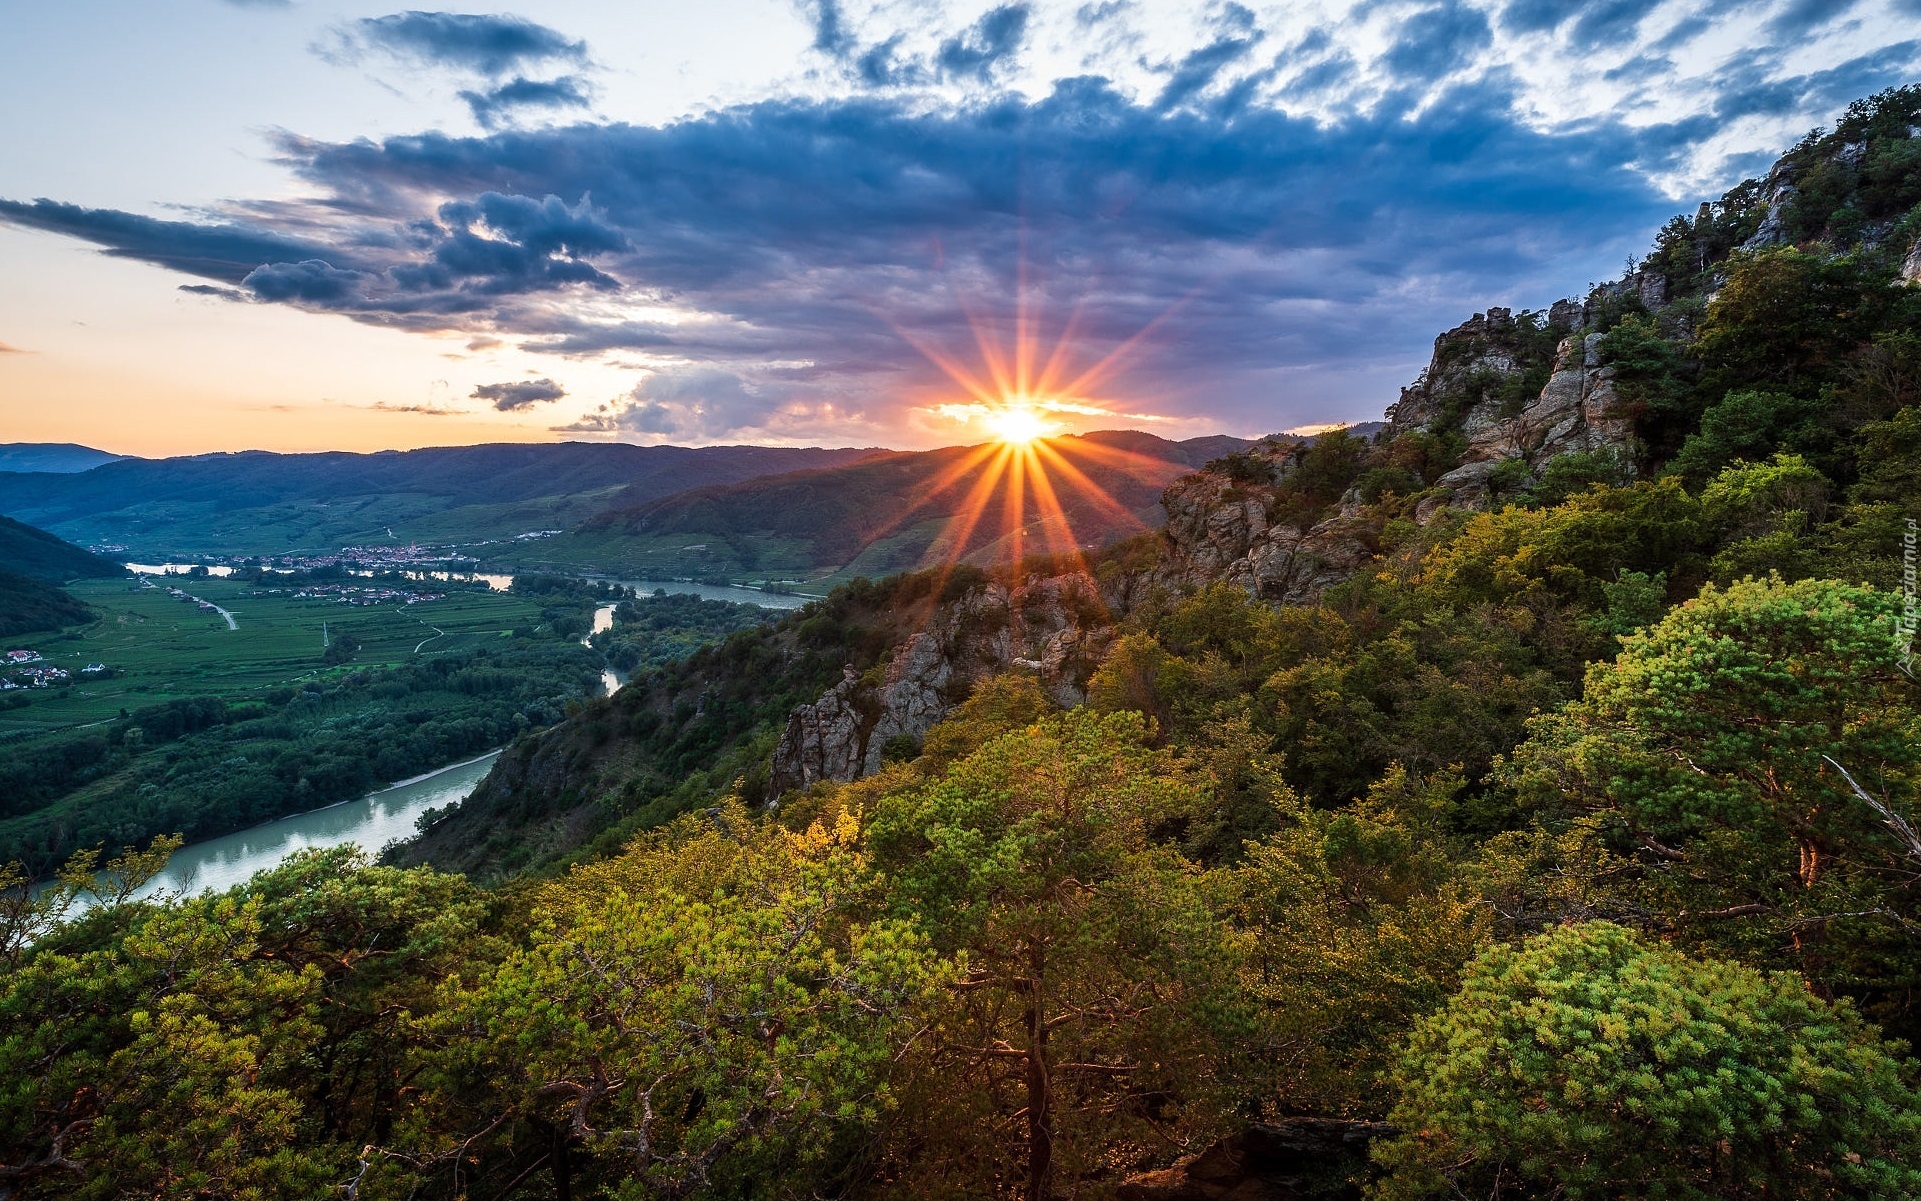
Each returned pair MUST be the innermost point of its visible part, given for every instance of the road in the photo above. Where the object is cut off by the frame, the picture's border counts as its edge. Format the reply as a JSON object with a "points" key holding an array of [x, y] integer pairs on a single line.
{"points": [[231, 623]]}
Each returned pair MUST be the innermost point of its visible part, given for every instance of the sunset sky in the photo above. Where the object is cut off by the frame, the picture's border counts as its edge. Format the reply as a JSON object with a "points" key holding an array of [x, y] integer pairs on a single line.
{"points": [[296, 225]]}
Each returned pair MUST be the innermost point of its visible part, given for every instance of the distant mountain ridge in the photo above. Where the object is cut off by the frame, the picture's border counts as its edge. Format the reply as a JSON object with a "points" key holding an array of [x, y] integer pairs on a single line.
{"points": [[901, 508], [261, 502], [55, 457]]}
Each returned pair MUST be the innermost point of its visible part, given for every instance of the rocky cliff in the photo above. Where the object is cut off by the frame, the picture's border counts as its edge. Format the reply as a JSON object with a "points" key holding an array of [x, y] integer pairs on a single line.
{"points": [[1055, 626]]}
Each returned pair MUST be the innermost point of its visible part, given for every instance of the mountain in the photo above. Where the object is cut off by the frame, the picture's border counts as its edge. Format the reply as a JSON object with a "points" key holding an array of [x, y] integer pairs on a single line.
{"points": [[898, 510], [27, 551], [1742, 403], [260, 502], [52, 457]]}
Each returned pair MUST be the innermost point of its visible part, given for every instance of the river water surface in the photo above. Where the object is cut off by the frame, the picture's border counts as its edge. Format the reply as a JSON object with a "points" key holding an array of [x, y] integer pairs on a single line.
{"points": [[373, 821]]}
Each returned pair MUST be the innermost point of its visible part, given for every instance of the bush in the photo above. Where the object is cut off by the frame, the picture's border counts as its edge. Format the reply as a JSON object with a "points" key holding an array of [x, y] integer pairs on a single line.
{"points": [[1589, 1063]]}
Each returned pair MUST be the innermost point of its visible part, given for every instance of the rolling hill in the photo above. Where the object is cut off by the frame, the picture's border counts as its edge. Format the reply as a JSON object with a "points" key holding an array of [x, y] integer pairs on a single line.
{"points": [[33, 563], [54, 457], [32, 552], [897, 510], [259, 502]]}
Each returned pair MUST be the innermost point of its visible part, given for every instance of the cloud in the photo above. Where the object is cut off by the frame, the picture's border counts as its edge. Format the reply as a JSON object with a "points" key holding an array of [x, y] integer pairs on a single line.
{"points": [[1201, 67], [491, 45], [696, 402], [519, 395], [831, 35], [9, 349], [423, 410], [494, 106], [312, 281], [1258, 238], [987, 45], [1799, 17], [1437, 41], [215, 250]]}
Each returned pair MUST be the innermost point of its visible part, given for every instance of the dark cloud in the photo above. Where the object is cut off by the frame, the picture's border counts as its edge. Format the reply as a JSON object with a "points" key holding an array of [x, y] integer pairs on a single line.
{"points": [[520, 394], [1537, 16], [831, 35], [494, 106], [794, 252], [312, 282], [1436, 41], [987, 44], [222, 251], [1595, 21], [1199, 69], [1609, 21], [1801, 17], [486, 43]]}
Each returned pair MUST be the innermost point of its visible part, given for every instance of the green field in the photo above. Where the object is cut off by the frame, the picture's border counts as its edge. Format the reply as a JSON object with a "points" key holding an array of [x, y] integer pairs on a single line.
{"points": [[162, 648]]}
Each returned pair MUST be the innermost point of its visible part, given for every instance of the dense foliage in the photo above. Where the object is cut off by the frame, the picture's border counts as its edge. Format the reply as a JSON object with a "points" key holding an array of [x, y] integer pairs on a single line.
{"points": [[1574, 836], [203, 766], [651, 631], [1587, 1063], [27, 605]]}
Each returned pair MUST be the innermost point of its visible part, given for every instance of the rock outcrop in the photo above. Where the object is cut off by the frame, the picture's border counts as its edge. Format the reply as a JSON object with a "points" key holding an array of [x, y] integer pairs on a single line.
{"points": [[1054, 626], [1577, 411], [1219, 529], [1481, 348], [1321, 1158]]}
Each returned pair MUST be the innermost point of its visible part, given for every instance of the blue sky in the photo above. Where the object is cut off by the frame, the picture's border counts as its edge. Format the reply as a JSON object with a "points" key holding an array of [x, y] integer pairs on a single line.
{"points": [[350, 225]]}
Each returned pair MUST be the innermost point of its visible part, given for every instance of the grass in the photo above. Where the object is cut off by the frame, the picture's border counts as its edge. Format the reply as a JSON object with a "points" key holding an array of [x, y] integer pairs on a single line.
{"points": [[163, 648]]}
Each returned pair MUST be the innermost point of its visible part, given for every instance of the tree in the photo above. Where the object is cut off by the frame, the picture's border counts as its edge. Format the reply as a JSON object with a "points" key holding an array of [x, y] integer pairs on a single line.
{"points": [[1097, 978], [1357, 923], [709, 1009], [1586, 1062], [1716, 745], [240, 1045]]}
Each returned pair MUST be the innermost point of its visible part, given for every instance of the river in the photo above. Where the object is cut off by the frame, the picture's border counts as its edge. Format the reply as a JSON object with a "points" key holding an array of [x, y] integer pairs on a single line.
{"points": [[381, 817], [373, 821]]}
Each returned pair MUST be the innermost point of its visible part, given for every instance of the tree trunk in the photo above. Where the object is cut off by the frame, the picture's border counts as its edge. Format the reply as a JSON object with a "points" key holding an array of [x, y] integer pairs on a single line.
{"points": [[563, 1165], [1040, 1088]]}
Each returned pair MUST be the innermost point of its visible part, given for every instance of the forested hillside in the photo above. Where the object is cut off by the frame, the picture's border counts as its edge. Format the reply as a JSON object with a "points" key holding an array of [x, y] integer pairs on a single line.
{"points": [[257, 502], [1520, 802], [33, 552], [897, 511], [32, 565]]}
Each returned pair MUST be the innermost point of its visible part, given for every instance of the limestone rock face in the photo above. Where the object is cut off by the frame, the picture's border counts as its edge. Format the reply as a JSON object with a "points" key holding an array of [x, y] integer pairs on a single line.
{"points": [[1578, 410], [1055, 626], [1911, 266], [1218, 530], [1781, 193], [1462, 353]]}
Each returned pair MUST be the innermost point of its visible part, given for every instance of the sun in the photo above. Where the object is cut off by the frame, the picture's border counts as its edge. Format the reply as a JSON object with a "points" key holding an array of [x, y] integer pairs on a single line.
{"points": [[1018, 424]]}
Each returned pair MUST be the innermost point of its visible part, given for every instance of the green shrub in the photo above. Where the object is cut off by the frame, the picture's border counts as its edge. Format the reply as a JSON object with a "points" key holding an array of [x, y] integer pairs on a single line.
{"points": [[1587, 1062]]}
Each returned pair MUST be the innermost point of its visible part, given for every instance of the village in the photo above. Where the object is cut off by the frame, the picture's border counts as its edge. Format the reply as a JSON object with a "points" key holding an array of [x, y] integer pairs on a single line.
{"points": [[30, 669], [354, 594]]}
